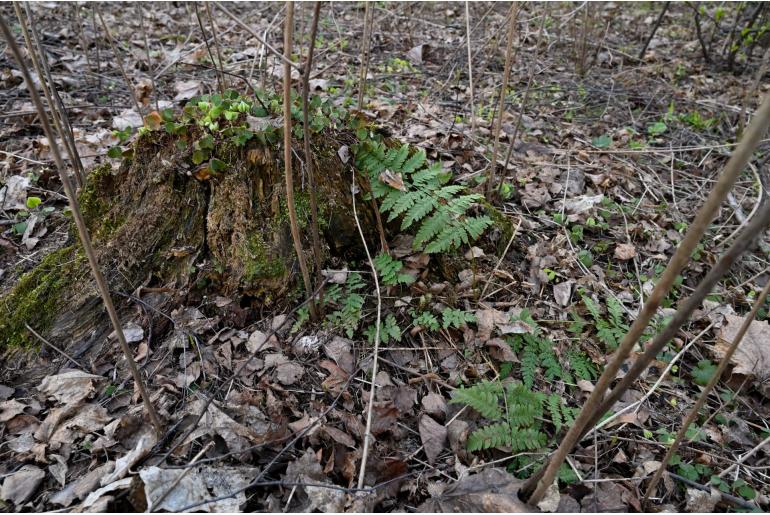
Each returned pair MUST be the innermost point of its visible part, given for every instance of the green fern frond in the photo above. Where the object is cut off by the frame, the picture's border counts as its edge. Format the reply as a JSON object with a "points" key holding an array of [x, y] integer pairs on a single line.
{"points": [[489, 437], [457, 318], [484, 397], [583, 367], [528, 439], [414, 163], [529, 362], [554, 408]]}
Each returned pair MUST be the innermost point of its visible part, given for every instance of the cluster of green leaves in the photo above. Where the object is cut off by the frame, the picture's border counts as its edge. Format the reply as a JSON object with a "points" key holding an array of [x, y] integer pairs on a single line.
{"points": [[457, 318], [516, 424], [439, 211], [389, 270], [610, 329], [122, 136], [349, 302], [389, 330], [33, 206]]}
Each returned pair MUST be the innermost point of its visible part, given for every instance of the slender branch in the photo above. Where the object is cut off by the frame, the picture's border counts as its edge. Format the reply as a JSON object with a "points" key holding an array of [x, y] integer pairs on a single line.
{"points": [[214, 31], [538, 484], [155, 94], [54, 347], [364, 67], [524, 100], [309, 161], [653, 31], [283, 58], [690, 418], [501, 100], [85, 239], [208, 48], [372, 394], [470, 66], [290, 205], [58, 113], [119, 59]]}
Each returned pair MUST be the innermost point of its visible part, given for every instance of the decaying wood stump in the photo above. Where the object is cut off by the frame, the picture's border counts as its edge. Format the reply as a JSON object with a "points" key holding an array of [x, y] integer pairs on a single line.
{"points": [[160, 221]]}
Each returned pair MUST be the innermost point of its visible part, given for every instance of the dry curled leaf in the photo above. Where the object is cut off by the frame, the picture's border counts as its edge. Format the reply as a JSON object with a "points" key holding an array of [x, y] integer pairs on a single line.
{"points": [[433, 436], [752, 357]]}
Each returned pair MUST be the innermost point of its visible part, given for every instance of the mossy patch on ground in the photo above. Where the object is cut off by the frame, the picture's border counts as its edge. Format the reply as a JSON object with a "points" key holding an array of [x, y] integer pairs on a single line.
{"points": [[36, 299]]}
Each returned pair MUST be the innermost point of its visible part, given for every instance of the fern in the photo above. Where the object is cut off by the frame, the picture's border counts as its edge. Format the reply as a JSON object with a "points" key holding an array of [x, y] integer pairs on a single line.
{"points": [[529, 362], [609, 330], [389, 330], [516, 426], [491, 436], [350, 303], [554, 408], [389, 270], [538, 352], [484, 397], [457, 318], [436, 210], [427, 321], [583, 367]]}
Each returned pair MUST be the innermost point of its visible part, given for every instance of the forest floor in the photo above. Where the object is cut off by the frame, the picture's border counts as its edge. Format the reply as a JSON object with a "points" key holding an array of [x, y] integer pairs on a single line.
{"points": [[608, 168]]}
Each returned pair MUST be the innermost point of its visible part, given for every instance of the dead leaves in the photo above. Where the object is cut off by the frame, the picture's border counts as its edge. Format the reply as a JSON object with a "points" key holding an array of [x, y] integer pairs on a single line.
{"points": [[70, 387], [198, 485], [433, 436], [752, 357], [22, 484], [491, 490]]}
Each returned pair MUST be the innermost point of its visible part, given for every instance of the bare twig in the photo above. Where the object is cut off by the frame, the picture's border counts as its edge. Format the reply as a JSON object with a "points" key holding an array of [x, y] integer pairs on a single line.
{"points": [[85, 239], [155, 503], [58, 113], [592, 408], [214, 36], [368, 432], [501, 100], [220, 78], [500, 261], [364, 67], [54, 347], [290, 205], [470, 65], [309, 161], [279, 55], [653, 31], [747, 321], [119, 59], [150, 72]]}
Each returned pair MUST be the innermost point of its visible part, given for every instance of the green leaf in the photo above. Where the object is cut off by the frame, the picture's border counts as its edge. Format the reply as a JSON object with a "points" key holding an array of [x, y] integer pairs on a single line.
{"points": [[20, 227], [657, 128], [199, 156], [703, 371], [115, 152], [602, 141], [217, 166], [33, 202]]}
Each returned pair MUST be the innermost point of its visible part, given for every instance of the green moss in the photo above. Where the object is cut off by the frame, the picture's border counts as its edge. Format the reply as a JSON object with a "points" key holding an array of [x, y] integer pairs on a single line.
{"points": [[94, 204], [258, 263], [36, 298]]}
